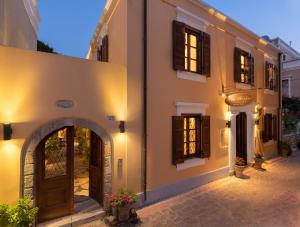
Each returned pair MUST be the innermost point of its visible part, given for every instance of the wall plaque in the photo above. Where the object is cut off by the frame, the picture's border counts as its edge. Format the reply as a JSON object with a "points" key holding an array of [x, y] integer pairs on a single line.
{"points": [[64, 104], [239, 99]]}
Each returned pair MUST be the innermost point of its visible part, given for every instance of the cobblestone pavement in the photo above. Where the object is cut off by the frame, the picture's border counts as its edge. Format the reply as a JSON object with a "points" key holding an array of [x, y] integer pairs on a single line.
{"points": [[269, 198]]}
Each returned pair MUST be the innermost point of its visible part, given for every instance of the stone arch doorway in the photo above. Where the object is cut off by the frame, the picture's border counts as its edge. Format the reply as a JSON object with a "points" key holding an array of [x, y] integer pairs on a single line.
{"points": [[29, 154]]}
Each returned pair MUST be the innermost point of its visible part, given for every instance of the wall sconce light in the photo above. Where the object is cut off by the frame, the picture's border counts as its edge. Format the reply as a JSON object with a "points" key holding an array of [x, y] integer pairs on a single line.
{"points": [[122, 126], [228, 124], [257, 122], [7, 131]]}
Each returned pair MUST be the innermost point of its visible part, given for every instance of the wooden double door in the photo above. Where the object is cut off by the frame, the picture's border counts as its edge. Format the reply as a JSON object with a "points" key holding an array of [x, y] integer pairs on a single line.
{"points": [[55, 173], [241, 136]]}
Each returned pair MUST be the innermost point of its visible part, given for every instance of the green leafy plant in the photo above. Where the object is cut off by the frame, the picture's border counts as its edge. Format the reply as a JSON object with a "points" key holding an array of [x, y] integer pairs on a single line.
{"points": [[240, 161], [285, 146], [21, 215], [122, 199], [4, 216]]}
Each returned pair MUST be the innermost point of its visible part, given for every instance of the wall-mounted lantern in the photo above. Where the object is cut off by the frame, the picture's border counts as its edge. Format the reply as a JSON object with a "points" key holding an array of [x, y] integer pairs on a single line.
{"points": [[122, 126], [7, 131], [228, 124]]}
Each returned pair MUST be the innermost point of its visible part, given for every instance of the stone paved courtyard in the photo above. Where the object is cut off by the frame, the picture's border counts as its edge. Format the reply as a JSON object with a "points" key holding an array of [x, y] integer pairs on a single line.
{"points": [[269, 198]]}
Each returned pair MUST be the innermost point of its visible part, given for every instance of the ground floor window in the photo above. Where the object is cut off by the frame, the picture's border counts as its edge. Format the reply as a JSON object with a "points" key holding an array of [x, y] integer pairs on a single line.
{"points": [[270, 128], [191, 137]]}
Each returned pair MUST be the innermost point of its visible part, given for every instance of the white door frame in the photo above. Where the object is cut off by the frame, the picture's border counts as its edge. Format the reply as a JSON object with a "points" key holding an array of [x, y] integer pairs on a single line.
{"points": [[234, 111]]}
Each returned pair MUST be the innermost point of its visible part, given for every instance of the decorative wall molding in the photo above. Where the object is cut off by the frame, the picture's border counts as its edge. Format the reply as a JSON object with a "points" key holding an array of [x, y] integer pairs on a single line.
{"points": [[191, 19], [191, 107], [244, 45]]}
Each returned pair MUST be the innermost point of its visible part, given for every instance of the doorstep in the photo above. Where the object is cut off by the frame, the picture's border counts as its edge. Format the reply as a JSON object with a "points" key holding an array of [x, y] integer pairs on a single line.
{"points": [[75, 219]]}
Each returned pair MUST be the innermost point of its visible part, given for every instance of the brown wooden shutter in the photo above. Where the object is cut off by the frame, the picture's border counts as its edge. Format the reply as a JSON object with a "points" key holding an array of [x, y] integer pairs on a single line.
{"points": [[198, 134], [178, 45], [105, 49], [99, 54], [206, 54], [200, 53], [237, 64], [276, 78], [251, 70], [267, 83], [265, 132], [275, 128], [205, 137], [178, 139]]}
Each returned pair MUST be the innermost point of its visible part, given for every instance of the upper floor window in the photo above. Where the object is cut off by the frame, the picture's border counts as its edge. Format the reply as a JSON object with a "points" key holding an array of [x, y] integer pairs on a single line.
{"points": [[191, 137], [243, 67], [102, 52], [191, 49], [271, 76]]}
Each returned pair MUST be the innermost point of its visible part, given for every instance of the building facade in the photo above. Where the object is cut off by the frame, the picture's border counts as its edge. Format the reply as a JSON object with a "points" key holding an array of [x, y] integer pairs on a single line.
{"points": [[19, 29], [203, 71], [290, 69], [171, 94]]}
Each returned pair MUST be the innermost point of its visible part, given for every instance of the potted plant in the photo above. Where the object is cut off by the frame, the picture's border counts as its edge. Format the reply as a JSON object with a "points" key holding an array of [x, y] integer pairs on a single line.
{"points": [[121, 204], [259, 160], [239, 167], [285, 149]]}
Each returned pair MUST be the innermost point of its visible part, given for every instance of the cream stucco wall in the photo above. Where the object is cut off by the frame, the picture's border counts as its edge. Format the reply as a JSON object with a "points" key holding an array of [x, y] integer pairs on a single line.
{"points": [[165, 89], [31, 83], [16, 28], [122, 22]]}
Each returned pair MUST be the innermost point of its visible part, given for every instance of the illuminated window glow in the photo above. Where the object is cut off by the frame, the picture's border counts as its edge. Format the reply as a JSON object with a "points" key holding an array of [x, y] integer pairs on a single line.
{"points": [[190, 136], [191, 51]]}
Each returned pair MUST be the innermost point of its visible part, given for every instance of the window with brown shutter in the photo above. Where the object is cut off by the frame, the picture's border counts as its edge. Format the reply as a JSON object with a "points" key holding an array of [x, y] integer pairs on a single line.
{"points": [[105, 49], [178, 140], [243, 67], [268, 133], [206, 54], [191, 137], [178, 45], [205, 137], [271, 76], [191, 49], [275, 128]]}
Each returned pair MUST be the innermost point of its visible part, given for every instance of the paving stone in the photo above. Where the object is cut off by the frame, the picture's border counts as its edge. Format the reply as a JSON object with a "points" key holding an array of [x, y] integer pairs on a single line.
{"points": [[268, 198]]}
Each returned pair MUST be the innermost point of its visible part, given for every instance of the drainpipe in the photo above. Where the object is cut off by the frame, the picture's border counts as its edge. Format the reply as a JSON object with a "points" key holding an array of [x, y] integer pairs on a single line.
{"points": [[279, 123], [145, 48]]}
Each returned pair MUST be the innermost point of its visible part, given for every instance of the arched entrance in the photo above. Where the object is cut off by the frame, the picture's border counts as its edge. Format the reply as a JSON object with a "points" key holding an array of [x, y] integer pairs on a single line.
{"points": [[35, 183]]}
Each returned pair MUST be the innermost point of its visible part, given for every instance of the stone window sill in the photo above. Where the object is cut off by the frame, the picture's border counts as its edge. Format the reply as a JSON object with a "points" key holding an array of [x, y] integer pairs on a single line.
{"points": [[191, 76], [243, 86], [190, 164]]}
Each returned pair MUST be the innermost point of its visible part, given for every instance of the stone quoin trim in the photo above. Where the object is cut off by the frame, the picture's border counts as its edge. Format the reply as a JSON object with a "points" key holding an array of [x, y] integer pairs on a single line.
{"points": [[27, 175]]}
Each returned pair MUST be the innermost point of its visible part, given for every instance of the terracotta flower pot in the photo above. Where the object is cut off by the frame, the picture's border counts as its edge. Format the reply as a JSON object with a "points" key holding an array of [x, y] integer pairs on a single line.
{"points": [[239, 171], [285, 153], [114, 212], [258, 163], [123, 214]]}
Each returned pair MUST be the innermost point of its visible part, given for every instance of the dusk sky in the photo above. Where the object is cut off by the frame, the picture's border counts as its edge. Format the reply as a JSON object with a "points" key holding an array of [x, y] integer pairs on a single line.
{"points": [[68, 25]]}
